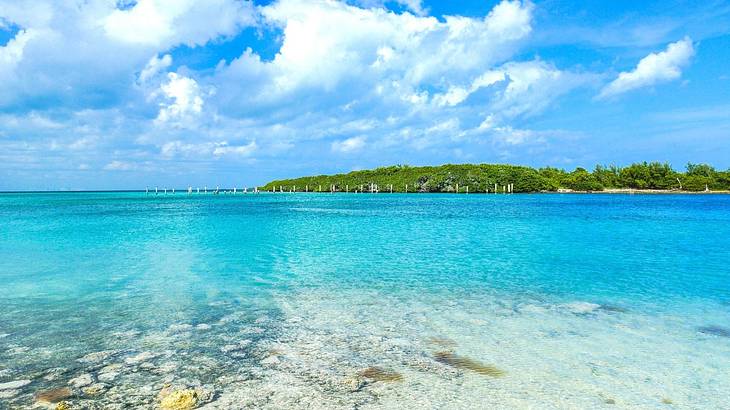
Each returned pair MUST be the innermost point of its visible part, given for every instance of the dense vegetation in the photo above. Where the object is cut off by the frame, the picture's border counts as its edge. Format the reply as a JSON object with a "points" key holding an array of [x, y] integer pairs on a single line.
{"points": [[483, 177]]}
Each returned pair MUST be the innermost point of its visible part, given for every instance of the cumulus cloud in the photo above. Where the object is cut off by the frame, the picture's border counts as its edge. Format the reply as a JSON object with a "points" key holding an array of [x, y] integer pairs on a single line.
{"points": [[653, 69], [349, 145], [358, 76], [183, 99], [155, 66], [167, 22]]}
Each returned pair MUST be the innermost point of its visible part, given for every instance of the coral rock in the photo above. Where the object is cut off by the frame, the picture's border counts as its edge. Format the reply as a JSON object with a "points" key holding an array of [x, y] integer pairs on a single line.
{"points": [[179, 399]]}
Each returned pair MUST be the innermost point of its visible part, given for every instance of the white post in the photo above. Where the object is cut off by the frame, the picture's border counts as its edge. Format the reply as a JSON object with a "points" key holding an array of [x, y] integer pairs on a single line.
{"points": [[467, 189], [320, 188], [495, 188], [406, 188], [391, 188], [347, 188], [457, 188], [155, 190]]}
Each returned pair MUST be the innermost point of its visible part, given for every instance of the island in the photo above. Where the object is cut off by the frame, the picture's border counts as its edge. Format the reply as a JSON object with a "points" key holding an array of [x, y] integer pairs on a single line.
{"points": [[645, 177]]}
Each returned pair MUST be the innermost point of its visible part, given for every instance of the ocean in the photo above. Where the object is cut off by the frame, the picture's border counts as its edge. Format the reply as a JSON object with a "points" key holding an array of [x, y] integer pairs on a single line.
{"points": [[365, 301]]}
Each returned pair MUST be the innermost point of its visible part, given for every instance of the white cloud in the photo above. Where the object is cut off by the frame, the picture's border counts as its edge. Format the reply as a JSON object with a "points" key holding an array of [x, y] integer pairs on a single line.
{"points": [[415, 6], [155, 66], [653, 69], [223, 148], [163, 23], [183, 99], [349, 145], [120, 166]]}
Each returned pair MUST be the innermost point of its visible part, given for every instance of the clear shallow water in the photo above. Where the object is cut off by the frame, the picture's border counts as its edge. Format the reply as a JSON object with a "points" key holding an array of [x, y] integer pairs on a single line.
{"points": [[284, 300]]}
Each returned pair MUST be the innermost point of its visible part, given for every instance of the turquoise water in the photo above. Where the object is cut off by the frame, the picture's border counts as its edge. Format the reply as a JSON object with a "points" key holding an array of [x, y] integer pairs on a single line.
{"points": [[283, 300]]}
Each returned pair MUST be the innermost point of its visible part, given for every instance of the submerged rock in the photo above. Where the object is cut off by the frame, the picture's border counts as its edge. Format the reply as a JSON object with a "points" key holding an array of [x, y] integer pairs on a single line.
{"points": [[64, 405], [81, 381], [460, 362], [582, 308], [107, 376], [14, 384], [180, 327], [97, 356], [380, 375], [8, 394], [94, 389], [54, 374], [140, 358], [53, 396], [270, 361], [178, 399], [354, 384], [714, 330]]}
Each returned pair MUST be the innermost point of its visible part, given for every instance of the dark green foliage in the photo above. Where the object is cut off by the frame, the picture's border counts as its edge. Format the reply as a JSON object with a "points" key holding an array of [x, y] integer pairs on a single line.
{"points": [[483, 177]]}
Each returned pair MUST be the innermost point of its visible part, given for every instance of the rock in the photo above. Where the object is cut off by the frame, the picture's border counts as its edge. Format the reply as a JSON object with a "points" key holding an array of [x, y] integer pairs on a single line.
{"points": [[271, 360], [178, 399], [94, 389], [64, 405], [53, 396], [111, 368], [97, 356], [8, 394], [54, 374], [582, 308], [714, 330], [81, 381], [14, 384], [180, 327], [354, 383], [236, 349], [107, 376], [142, 357]]}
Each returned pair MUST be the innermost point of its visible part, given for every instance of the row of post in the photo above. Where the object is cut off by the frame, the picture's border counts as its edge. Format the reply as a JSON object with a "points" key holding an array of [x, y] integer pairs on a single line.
{"points": [[215, 191], [374, 188]]}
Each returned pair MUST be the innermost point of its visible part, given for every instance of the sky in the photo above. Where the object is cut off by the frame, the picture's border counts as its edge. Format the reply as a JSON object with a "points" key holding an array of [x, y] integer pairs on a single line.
{"points": [[104, 94]]}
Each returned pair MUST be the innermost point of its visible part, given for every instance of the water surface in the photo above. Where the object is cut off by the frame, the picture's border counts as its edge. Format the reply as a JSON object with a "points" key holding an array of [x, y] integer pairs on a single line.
{"points": [[367, 301]]}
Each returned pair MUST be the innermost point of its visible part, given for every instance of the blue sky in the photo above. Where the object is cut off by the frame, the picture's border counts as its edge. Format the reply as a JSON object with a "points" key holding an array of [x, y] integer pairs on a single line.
{"points": [[98, 94]]}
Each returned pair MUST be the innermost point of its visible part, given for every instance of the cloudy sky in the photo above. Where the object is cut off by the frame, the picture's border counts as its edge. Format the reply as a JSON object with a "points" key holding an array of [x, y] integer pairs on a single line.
{"points": [[124, 94]]}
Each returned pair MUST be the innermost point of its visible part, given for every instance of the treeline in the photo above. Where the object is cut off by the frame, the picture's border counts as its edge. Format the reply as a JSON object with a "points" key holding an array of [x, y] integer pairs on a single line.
{"points": [[484, 178]]}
